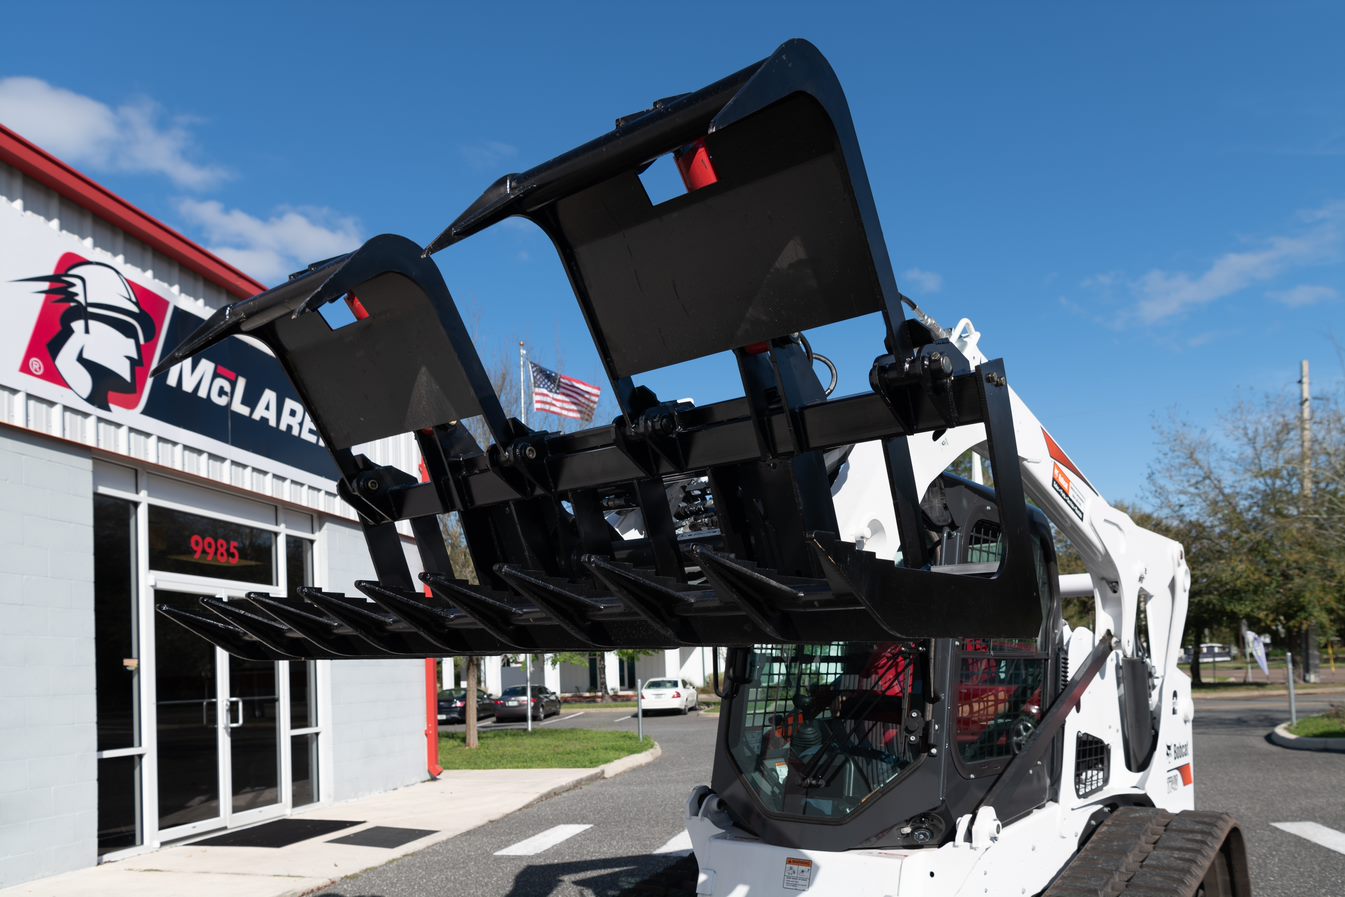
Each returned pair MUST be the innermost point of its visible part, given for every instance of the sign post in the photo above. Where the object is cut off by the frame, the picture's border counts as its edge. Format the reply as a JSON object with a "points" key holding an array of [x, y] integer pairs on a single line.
{"points": [[1293, 702], [639, 709]]}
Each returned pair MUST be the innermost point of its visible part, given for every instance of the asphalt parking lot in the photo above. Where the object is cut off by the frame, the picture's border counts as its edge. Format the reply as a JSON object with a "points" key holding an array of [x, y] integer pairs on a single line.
{"points": [[616, 828], [605, 837], [1240, 772]]}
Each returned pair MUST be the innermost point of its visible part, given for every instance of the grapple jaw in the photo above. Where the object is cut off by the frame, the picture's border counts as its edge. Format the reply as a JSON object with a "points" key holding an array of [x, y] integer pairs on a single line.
{"points": [[738, 541], [780, 234]]}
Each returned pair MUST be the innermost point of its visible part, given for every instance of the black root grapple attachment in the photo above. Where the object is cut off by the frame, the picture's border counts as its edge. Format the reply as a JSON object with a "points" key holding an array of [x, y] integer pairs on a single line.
{"points": [[777, 233]]}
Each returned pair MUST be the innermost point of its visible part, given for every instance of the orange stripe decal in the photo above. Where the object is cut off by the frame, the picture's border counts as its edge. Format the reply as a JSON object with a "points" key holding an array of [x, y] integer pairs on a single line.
{"points": [[1058, 455]]}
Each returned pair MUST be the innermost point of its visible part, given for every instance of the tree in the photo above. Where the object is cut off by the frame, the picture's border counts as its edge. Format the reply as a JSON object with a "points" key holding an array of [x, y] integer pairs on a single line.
{"points": [[1260, 545], [504, 377]]}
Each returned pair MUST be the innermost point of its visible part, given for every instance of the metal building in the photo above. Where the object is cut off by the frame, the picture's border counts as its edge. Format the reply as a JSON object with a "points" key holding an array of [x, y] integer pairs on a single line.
{"points": [[118, 730]]}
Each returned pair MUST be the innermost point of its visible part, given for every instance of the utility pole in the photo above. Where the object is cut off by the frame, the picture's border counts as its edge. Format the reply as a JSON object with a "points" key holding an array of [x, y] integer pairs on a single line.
{"points": [[1305, 430], [1310, 655]]}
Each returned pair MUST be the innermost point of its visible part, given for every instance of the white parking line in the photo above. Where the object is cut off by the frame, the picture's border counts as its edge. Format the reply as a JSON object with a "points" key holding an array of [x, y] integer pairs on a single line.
{"points": [[1316, 833], [678, 844], [560, 718], [541, 841], [620, 718]]}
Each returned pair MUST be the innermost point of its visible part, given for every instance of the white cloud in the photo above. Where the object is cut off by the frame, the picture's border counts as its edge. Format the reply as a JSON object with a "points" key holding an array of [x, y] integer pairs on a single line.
{"points": [[924, 281], [134, 137], [1304, 294], [1163, 294], [488, 155], [271, 248]]}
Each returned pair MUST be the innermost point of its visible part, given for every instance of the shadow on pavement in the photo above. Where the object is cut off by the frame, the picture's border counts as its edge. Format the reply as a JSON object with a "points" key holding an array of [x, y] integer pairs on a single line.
{"points": [[639, 875]]}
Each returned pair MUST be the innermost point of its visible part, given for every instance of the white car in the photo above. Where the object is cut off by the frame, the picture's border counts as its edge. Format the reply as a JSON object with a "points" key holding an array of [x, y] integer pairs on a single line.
{"points": [[669, 694]]}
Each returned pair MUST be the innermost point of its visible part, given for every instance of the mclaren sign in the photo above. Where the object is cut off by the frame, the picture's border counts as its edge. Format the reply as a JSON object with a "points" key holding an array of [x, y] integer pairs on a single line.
{"points": [[84, 329]]}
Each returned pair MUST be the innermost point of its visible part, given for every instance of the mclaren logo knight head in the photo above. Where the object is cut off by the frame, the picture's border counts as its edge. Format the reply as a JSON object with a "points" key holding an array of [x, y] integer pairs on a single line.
{"points": [[96, 333]]}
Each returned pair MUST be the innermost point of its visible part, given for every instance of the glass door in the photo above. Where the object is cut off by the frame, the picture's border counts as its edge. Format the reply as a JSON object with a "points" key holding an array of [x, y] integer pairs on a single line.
{"points": [[253, 734], [189, 716], [218, 731]]}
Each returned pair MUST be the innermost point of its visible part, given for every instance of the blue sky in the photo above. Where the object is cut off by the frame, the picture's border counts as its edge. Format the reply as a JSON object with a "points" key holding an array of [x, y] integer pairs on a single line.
{"points": [[1141, 206]]}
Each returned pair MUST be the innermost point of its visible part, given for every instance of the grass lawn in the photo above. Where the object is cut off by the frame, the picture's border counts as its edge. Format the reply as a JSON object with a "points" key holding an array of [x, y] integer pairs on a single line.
{"points": [[542, 748], [1326, 726]]}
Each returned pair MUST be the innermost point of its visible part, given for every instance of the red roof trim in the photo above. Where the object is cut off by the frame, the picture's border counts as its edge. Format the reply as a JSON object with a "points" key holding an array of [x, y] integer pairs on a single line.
{"points": [[36, 163]]}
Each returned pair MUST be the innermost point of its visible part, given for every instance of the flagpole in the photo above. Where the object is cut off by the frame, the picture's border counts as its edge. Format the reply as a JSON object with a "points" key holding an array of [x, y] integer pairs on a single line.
{"points": [[523, 416]]}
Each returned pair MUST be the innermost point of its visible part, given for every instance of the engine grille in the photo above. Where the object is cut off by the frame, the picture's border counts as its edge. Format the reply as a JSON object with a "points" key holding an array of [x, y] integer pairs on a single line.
{"points": [[1092, 764]]}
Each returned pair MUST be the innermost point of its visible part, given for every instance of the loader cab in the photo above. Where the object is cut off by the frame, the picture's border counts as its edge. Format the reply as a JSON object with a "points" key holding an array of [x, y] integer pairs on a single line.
{"points": [[853, 744]]}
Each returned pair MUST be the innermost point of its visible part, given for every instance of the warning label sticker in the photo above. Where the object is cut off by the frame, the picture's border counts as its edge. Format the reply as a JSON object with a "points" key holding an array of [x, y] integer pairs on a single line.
{"points": [[798, 873], [1060, 482]]}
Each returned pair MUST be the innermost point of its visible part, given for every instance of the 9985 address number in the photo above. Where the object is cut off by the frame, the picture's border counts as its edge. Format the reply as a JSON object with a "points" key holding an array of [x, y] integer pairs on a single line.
{"points": [[215, 551]]}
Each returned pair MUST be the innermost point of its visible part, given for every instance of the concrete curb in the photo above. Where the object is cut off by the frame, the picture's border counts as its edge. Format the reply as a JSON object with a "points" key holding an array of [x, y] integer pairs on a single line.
{"points": [[606, 771], [1284, 738], [632, 761], [1242, 694]]}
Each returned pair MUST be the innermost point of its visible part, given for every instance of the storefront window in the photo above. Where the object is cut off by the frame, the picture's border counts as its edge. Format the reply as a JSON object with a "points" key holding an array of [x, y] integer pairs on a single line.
{"points": [[180, 542], [303, 696], [304, 769], [303, 723], [298, 564], [116, 641], [118, 803], [117, 670]]}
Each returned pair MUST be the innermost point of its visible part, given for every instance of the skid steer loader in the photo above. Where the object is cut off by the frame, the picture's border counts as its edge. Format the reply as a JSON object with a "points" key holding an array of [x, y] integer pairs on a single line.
{"points": [[905, 710]]}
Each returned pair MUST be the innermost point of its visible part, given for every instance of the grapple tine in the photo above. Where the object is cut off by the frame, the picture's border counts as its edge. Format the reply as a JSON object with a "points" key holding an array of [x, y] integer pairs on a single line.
{"points": [[222, 635], [276, 636], [913, 603], [574, 611], [656, 599], [492, 613], [430, 616], [315, 626], [371, 624], [763, 600]]}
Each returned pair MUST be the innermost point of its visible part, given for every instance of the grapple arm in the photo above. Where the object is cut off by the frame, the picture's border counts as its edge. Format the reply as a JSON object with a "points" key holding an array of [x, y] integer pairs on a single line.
{"points": [[781, 237]]}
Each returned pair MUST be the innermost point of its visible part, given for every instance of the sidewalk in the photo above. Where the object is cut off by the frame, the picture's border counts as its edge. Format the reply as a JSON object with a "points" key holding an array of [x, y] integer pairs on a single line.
{"points": [[457, 802]]}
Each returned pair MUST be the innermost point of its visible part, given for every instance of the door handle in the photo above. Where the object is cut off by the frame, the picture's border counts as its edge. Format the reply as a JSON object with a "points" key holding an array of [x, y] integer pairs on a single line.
{"points": [[232, 724], [205, 711]]}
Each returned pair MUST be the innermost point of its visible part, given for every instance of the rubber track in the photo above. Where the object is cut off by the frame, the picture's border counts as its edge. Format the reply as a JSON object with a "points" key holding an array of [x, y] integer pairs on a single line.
{"points": [[1143, 852]]}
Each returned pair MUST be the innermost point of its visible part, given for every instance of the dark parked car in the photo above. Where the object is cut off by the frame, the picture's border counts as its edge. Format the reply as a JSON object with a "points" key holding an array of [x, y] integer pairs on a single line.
{"points": [[513, 703], [452, 703]]}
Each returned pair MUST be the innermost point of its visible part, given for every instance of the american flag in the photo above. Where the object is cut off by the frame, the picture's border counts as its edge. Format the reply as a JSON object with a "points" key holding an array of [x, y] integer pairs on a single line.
{"points": [[558, 394]]}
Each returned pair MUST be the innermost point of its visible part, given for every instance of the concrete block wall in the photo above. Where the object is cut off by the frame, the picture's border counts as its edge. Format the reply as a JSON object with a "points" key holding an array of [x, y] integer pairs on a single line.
{"points": [[48, 735], [377, 724]]}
